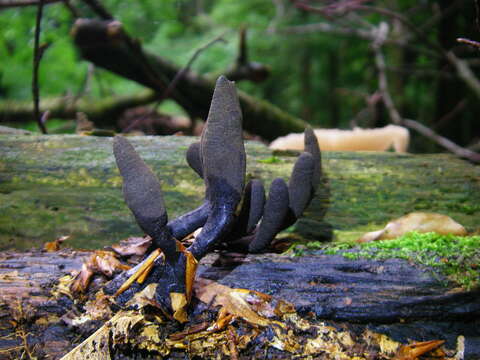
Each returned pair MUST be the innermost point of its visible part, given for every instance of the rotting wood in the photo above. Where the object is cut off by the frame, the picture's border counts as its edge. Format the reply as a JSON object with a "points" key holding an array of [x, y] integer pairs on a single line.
{"points": [[393, 296]]}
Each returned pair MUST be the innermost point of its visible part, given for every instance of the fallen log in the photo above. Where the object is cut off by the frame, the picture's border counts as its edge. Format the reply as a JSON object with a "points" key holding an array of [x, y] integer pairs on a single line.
{"points": [[53, 186], [105, 111], [57, 185], [107, 44]]}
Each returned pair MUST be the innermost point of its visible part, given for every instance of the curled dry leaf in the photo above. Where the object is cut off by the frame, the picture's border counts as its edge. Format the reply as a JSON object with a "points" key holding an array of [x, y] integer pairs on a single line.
{"points": [[416, 221], [415, 350], [54, 245], [242, 303], [103, 262], [99, 308], [179, 305], [133, 246]]}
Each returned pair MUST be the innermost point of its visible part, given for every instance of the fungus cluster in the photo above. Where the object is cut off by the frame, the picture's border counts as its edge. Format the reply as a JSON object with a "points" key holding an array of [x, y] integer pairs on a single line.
{"points": [[233, 215]]}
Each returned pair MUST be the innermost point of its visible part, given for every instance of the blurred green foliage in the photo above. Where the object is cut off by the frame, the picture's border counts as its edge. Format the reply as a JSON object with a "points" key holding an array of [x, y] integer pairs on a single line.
{"points": [[324, 78]]}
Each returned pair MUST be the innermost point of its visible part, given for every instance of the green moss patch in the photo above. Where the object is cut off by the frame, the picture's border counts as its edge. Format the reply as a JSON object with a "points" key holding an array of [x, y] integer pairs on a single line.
{"points": [[456, 257], [270, 160]]}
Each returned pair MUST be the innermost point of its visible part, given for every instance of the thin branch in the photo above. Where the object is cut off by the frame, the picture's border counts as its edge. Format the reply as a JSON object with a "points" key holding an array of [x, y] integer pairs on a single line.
{"points": [[99, 9], [365, 34], [442, 141], [463, 70], [452, 114], [382, 11], [71, 8], [335, 8], [412, 124], [473, 43], [383, 84], [440, 15], [187, 67], [37, 55], [24, 3], [465, 73], [178, 76], [279, 15], [85, 86]]}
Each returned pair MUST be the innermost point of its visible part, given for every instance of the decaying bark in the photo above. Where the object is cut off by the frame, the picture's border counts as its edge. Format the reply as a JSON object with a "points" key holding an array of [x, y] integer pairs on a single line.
{"points": [[393, 296], [106, 44]]}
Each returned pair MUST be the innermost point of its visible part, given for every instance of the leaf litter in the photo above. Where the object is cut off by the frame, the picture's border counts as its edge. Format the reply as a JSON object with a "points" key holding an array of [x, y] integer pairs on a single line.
{"points": [[223, 323]]}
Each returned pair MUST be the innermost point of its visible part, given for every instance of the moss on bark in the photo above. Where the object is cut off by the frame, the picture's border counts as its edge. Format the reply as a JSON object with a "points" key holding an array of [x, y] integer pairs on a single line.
{"points": [[69, 185]]}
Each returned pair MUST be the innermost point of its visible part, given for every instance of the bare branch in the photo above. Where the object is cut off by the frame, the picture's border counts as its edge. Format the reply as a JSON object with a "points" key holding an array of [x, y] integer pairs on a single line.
{"points": [[187, 67], [99, 9], [442, 141], [71, 8], [178, 76], [396, 118], [382, 81], [465, 73], [24, 3], [37, 55], [445, 119], [473, 43]]}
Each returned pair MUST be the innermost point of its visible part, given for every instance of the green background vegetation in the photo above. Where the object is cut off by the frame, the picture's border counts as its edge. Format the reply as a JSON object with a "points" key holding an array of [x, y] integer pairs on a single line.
{"points": [[320, 77]]}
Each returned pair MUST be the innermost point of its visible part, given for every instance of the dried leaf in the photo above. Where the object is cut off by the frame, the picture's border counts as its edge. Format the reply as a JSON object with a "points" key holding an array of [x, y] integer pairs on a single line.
{"points": [[190, 270], [82, 280], [416, 221], [103, 262], [179, 304], [98, 345], [133, 246], [144, 297], [99, 308], [54, 245], [413, 351], [237, 302]]}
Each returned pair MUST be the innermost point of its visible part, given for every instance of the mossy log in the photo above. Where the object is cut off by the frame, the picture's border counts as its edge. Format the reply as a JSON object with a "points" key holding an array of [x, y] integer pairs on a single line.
{"points": [[104, 111], [107, 44], [51, 186], [69, 185]]}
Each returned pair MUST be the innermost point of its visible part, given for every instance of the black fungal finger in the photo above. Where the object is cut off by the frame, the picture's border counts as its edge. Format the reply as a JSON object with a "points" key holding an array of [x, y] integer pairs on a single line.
{"points": [[252, 209], [143, 195], [189, 222], [311, 146], [223, 159], [194, 158], [257, 202], [300, 184], [276, 208], [222, 149]]}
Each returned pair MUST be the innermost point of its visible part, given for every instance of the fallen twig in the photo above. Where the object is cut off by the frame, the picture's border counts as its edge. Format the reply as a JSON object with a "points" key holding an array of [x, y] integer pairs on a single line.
{"points": [[23, 3], [396, 118], [37, 55], [99, 9], [171, 86]]}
